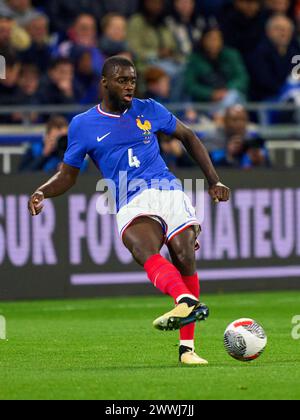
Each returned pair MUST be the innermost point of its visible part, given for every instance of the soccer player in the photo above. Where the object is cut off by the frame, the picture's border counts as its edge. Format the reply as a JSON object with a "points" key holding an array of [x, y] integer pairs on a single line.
{"points": [[120, 137]]}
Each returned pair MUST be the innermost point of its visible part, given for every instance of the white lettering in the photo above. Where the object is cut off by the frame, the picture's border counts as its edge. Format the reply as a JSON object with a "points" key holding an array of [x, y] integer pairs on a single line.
{"points": [[262, 225], [77, 227], [225, 234], [244, 203]]}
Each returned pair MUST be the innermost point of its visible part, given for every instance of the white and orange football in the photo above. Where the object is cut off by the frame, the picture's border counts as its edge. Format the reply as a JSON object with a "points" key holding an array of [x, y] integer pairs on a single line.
{"points": [[245, 340]]}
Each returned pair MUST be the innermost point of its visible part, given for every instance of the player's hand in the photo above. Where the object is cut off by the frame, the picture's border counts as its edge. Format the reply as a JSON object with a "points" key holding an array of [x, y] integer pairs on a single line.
{"points": [[219, 192], [36, 203]]}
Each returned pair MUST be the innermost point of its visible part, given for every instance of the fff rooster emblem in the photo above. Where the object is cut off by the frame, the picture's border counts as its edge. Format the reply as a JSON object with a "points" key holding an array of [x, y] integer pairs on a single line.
{"points": [[145, 126]]}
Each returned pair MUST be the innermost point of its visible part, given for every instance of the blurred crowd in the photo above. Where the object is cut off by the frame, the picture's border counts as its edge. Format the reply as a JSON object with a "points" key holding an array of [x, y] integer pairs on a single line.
{"points": [[219, 52]]}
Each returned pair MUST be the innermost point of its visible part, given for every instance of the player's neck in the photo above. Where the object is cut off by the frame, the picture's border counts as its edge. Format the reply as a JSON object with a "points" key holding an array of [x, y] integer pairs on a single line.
{"points": [[108, 107]]}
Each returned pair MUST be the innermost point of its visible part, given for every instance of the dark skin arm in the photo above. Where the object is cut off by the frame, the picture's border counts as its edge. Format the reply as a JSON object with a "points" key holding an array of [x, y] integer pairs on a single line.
{"points": [[61, 182], [198, 152]]}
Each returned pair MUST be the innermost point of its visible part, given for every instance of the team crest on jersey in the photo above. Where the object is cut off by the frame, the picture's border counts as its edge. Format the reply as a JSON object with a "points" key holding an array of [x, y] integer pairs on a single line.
{"points": [[145, 126]]}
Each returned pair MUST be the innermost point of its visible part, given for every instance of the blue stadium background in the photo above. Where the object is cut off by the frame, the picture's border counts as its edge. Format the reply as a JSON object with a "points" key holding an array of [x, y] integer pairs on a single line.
{"points": [[229, 69]]}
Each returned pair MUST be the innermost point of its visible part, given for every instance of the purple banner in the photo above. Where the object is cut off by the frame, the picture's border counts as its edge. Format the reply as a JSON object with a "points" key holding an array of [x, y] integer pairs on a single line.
{"points": [[255, 235]]}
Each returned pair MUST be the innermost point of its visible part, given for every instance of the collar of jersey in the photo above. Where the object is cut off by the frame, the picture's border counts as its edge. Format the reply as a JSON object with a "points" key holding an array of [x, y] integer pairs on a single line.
{"points": [[107, 114]]}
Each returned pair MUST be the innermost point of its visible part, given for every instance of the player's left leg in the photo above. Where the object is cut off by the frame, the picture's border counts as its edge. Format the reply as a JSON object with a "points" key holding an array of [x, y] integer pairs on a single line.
{"points": [[144, 238], [182, 251]]}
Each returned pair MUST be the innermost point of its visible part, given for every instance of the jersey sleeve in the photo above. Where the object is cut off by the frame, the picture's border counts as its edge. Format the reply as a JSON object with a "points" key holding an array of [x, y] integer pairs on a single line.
{"points": [[76, 150], [166, 120]]}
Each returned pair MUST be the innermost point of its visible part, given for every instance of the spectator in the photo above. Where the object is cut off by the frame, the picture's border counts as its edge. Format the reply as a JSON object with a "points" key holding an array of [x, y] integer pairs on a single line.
{"points": [[216, 73], [280, 7], [256, 156], [83, 32], [271, 63], [21, 10], [48, 155], [185, 25], [151, 40], [232, 155], [236, 124], [191, 117], [59, 87], [62, 13], [296, 10], [87, 77], [296, 15], [4, 9], [158, 84], [114, 35], [238, 154], [243, 24], [174, 154], [9, 85], [6, 27], [28, 92], [235, 144], [39, 53], [83, 36], [11, 35]]}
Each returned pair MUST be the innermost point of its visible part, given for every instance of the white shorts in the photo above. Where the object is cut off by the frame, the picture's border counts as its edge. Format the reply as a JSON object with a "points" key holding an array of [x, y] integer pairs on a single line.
{"points": [[172, 209]]}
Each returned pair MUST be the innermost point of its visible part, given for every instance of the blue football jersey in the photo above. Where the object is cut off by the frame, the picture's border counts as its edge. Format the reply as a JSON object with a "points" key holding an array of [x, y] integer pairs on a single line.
{"points": [[124, 147]]}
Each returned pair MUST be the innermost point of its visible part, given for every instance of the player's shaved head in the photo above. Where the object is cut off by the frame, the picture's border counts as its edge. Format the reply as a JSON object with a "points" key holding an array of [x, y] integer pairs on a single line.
{"points": [[113, 64]]}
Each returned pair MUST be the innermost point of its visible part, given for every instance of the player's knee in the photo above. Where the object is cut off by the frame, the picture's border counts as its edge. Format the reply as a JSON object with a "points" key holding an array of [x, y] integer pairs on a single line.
{"points": [[142, 254], [186, 261]]}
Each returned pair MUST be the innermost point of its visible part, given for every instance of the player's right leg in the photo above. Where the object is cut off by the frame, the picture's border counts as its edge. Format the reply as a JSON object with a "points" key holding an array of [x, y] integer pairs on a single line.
{"points": [[144, 238], [182, 251]]}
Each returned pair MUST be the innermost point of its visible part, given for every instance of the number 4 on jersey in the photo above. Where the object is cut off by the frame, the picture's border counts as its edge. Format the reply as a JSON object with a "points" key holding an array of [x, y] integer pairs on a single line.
{"points": [[133, 160]]}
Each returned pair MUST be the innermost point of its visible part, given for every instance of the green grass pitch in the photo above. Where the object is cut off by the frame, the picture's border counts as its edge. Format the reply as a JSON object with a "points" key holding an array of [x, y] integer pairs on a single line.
{"points": [[107, 349]]}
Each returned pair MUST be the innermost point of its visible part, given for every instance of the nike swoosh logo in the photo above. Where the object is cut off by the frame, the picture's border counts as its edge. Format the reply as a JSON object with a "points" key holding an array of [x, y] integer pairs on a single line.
{"points": [[99, 139]]}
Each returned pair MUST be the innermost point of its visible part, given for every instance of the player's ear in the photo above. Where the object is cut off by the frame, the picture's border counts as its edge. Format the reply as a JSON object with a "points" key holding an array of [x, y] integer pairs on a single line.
{"points": [[104, 82]]}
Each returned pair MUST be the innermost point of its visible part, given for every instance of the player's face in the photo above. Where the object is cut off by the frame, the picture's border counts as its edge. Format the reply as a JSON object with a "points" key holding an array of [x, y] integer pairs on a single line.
{"points": [[121, 86]]}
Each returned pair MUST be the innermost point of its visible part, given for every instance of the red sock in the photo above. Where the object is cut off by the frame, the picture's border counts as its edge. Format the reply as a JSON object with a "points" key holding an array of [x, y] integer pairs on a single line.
{"points": [[166, 277], [192, 283]]}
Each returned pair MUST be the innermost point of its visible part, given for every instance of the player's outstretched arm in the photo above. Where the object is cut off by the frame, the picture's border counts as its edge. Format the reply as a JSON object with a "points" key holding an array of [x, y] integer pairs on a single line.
{"points": [[198, 152], [60, 183]]}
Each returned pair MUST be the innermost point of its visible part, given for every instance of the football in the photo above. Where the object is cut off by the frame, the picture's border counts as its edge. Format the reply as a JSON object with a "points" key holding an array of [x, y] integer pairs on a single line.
{"points": [[245, 340]]}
